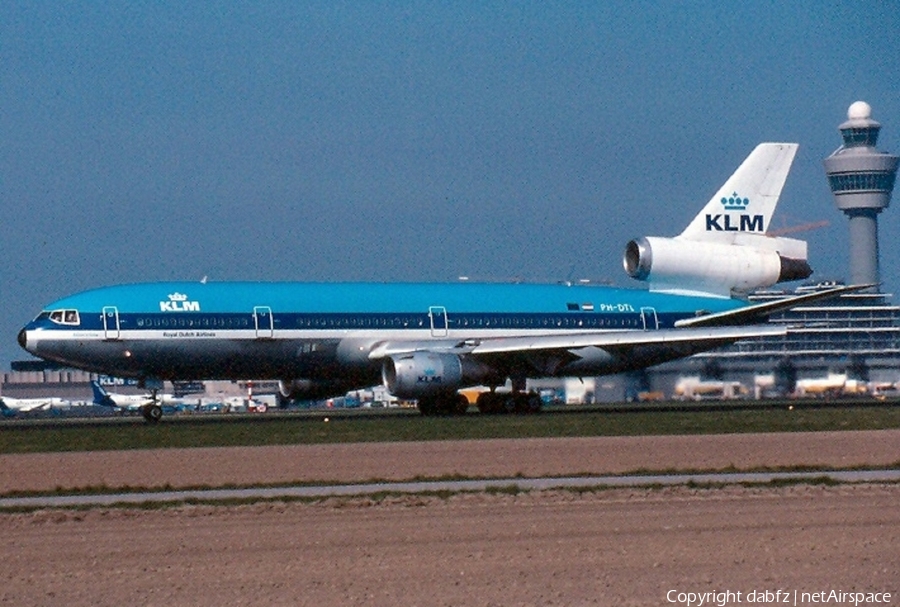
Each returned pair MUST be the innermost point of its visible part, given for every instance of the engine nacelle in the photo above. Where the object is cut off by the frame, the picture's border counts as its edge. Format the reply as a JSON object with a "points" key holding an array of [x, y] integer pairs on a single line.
{"points": [[424, 374], [671, 264]]}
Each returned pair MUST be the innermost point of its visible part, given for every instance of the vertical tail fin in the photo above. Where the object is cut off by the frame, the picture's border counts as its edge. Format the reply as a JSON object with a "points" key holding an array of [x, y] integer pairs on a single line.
{"points": [[725, 248], [745, 203], [101, 397]]}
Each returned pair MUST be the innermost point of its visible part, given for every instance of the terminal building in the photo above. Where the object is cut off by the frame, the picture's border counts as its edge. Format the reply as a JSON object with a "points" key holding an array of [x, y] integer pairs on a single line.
{"points": [[856, 334]]}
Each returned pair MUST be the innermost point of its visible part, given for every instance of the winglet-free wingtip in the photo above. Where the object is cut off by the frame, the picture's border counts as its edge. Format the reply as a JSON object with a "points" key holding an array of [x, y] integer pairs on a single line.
{"points": [[855, 288]]}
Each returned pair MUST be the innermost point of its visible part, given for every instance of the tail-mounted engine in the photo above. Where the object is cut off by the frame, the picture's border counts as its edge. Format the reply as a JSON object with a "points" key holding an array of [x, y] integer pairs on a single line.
{"points": [[725, 247], [672, 264]]}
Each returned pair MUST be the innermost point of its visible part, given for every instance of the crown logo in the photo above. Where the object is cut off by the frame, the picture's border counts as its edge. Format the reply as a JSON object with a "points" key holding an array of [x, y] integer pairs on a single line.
{"points": [[735, 202], [177, 297]]}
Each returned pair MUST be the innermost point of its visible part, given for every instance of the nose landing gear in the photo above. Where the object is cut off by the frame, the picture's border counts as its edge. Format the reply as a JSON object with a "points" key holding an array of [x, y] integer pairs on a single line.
{"points": [[152, 412]]}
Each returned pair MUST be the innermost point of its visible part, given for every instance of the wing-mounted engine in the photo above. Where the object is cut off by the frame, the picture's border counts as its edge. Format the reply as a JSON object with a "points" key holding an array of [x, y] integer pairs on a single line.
{"points": [[426, 374], [680, 265]]}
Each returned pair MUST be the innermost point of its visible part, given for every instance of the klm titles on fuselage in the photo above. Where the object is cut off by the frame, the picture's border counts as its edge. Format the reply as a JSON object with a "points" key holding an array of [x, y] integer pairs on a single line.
{"points": [[726, 222], [178, 302]]}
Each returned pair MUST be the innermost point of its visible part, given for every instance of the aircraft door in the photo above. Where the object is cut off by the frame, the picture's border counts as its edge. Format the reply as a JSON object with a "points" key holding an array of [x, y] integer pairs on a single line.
{"points": [[263, 323], [649, 319], [438, 317], [110, 322]]}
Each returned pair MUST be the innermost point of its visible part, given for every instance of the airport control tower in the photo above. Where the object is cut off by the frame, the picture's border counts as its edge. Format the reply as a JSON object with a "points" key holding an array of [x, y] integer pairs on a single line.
{"points": [[861, 179]]}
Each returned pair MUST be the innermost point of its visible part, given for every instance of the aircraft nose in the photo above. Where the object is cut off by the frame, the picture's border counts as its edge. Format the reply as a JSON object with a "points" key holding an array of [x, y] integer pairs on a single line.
{"points": [[23, 340]]}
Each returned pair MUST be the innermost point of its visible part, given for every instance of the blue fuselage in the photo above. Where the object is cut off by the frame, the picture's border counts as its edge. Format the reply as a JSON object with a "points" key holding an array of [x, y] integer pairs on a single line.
{"points": [[322, 331]]}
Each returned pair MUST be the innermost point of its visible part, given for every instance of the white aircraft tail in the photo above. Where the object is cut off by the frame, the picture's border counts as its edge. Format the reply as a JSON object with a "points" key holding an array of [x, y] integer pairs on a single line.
{"points": [[725, 248], [745, 203], [101, 396]]}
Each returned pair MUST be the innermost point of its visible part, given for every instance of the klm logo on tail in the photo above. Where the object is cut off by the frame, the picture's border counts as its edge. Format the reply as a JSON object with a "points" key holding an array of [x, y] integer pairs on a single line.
{"points": [[726, 222]]}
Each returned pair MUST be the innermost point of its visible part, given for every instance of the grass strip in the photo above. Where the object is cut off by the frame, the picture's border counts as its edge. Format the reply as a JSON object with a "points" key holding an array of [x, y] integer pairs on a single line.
{"points": [[313, 429]]}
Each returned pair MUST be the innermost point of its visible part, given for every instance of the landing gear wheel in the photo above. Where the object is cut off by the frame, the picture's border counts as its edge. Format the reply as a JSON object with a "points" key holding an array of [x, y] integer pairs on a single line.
{"points": [[533, 403], [151, 413], [518, 403], [461, 406], [449, 404], [489, 403], [512, 404]]}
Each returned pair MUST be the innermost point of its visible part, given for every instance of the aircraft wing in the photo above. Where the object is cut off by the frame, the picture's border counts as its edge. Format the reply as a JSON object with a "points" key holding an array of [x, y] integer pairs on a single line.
{"points": [[699, 333], [612, 340], [625, 339], [759, 312], [555, 354]]}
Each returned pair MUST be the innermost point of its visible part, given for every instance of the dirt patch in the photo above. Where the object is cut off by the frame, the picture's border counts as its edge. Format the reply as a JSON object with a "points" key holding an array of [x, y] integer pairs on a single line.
{"points": [[360, 462], [617, 547], [612, 547]]}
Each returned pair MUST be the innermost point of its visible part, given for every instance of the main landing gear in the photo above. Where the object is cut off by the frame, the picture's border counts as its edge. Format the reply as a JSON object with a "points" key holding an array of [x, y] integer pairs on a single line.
{"points": [[492, 403], [152, 412], [445, 404], [509, 402]]}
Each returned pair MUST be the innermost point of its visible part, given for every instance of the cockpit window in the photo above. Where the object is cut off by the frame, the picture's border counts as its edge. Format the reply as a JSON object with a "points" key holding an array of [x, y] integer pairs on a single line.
{"points": [[65, 317]]}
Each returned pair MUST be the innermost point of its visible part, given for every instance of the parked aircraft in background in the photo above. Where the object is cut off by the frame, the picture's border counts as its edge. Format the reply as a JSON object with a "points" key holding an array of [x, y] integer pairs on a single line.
{"points": [[425, 341], [10, 406], [130, 402]]}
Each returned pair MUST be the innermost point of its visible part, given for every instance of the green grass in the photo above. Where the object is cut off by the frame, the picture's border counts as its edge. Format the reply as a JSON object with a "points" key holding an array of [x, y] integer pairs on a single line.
{"points": [[312, 429]]}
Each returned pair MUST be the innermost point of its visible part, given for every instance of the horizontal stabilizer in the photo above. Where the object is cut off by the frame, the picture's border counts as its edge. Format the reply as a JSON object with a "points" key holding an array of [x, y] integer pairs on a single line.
{"points": [[759, 312]]}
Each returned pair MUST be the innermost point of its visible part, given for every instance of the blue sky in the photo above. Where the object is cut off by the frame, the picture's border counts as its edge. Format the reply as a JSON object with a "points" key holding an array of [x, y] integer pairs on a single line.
{"points": [[409, 141]]}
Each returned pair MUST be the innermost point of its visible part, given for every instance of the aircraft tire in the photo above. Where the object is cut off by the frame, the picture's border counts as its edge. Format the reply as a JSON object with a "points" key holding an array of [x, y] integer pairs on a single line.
{"points": [[512, 404], [460, 406], [489, 403], [151, 413], [519, 403], [533, 403]]}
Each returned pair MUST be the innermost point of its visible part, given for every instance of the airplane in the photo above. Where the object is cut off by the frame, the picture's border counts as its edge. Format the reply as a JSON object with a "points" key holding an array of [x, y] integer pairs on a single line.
{"points": [[425, 341], [11, 406], [130, 402]]}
